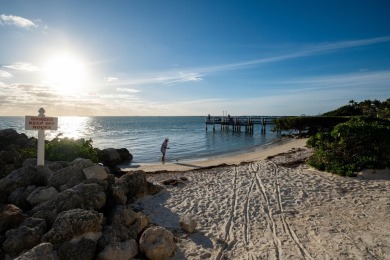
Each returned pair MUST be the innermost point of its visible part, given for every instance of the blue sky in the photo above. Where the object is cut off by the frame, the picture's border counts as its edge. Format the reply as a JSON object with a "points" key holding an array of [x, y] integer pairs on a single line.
{"points": [[89, 58]]}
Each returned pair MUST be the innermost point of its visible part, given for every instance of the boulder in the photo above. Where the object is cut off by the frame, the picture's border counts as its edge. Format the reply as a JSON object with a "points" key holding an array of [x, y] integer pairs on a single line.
{"points": [[41, 251], [86, 196], [111, 157], [10, 217], [19, 197], [157, 243], [41, 194], [66, 178], [23, 177], [123, 215], [122, 228], [72, 223], [25, 237], [187, 224], [96, 172], [122, 250], [130, 186], [125, 155]]}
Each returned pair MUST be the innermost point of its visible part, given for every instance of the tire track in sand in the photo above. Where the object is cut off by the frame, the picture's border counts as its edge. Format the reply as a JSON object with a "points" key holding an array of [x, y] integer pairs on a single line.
{"points": [[271, 223], [287, 226], [228, 226]]}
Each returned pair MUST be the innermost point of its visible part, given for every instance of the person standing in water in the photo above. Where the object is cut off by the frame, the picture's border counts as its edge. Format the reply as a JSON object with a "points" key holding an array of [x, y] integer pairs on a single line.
{"points": [[164, 148]]}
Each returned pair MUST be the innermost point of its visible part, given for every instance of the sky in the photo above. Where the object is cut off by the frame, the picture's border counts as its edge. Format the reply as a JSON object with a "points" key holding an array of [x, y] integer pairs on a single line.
{"points": [[193, 57]]}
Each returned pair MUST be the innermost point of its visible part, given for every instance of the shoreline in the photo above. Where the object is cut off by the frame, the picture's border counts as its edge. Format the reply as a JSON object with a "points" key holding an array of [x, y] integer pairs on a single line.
{"points": [[250, 155], [268, 205]]}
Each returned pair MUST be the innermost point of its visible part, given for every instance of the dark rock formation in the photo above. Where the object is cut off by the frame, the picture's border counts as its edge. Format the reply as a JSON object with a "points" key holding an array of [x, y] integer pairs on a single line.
{"points": [[78, 209], [68, 210]]}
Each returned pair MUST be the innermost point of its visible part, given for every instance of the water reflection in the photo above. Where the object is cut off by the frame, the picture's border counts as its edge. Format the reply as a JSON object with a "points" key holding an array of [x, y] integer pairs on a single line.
{"points": [[72, 127]]}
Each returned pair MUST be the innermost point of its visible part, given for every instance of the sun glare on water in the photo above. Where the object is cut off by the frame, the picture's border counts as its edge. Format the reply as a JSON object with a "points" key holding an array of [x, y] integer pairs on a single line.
{"points": [[65, 73]]}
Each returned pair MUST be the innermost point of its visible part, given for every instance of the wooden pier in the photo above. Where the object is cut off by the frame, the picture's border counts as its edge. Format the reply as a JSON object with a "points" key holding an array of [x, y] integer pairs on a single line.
{"points": [[236, 123]]}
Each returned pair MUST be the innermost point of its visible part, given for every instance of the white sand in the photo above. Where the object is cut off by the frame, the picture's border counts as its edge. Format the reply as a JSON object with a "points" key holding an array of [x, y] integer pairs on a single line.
{"points": [[262, 210]]}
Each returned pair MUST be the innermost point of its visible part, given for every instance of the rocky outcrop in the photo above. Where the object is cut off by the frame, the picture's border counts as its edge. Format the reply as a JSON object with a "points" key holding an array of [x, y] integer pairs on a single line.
{"points": [[73, 210]]}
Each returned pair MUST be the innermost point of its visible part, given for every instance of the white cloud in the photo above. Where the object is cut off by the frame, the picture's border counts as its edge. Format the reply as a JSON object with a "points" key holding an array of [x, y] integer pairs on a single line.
{"points": [[131, 90], [305, 51], [5, 74], [185, 77], [17, 21], [197, 74], [22, 66], [111, 79]]}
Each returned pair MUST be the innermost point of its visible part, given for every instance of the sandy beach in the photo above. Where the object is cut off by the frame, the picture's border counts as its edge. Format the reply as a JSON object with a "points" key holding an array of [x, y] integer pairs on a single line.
{"points": [[266, 204]]}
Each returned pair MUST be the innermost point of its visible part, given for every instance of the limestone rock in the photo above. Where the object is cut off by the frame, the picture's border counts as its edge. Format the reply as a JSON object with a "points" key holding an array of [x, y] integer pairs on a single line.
{"points": [[132, 185], [25, 237], [67, 177], [86, 196], [42, 251], [10, 217], [95, 172], [157, 243], [121, 214], [122, 250], [122, 228], [74, 222], [23, 177], [41, 194], [187, 224], [19, 197]]}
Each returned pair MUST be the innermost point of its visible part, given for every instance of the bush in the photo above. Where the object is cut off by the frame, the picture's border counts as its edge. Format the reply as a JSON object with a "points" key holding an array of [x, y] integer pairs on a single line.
{"points": [[68, 149], [351, 146]]}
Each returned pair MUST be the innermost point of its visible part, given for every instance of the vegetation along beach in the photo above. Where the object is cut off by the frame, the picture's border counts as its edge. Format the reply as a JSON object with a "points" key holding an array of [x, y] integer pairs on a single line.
{"points": [[187, 130]]}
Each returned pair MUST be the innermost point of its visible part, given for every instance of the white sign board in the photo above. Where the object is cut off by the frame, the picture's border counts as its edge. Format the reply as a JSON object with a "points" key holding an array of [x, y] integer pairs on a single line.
{"points": [[41, 123]]}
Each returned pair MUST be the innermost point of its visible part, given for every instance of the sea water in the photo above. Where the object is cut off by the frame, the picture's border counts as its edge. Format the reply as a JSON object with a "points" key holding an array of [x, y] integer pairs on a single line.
{"points": [[143, 136]]}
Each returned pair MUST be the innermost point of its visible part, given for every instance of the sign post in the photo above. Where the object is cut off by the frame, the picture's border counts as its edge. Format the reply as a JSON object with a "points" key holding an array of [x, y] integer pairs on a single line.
{"points": [[41, 123]]}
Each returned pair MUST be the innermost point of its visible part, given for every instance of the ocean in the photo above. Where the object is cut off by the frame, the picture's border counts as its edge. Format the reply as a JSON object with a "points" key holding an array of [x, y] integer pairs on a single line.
{"points": [[143, 136]]}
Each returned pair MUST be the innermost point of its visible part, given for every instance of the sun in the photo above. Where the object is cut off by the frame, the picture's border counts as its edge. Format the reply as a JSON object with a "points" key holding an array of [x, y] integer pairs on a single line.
{"points": [[65, 73]]}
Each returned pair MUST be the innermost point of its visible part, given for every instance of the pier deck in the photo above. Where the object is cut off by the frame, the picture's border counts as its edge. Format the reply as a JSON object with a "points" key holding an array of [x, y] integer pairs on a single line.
{"points": [[236, 122]]}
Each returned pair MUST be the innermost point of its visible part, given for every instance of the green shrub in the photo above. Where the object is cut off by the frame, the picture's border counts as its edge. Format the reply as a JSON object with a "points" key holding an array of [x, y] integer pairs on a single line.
{"points": [[351, 146], [68, 149]]}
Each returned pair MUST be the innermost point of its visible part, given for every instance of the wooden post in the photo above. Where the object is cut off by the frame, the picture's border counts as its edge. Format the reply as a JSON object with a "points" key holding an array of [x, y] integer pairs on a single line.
{"points": [[41, 141]]}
